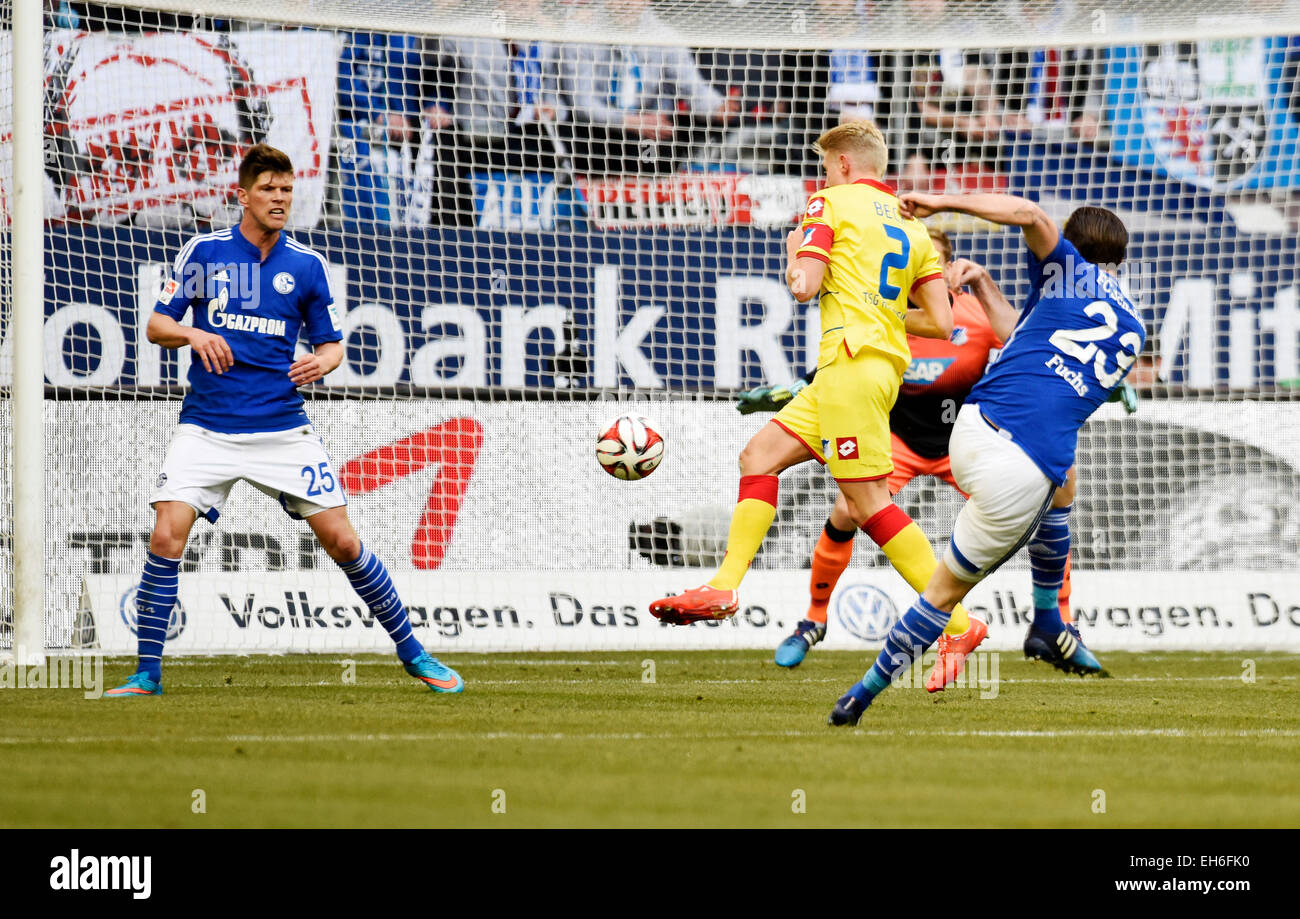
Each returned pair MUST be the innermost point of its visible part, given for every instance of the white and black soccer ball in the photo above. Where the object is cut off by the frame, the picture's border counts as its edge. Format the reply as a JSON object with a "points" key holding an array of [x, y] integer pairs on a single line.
{"points": [[629, 448]]}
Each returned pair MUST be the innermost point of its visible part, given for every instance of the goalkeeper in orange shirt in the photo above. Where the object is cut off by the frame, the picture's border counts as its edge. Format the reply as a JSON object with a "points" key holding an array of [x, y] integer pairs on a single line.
{"points": [[866, 261]]}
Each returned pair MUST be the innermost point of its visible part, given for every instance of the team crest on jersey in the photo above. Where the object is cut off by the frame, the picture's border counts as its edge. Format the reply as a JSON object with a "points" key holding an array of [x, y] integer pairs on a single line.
{"points": [[846, 448], [958, 336], [808, 237], [168, 291], [162, 479], [815, 207], [283, 282]]}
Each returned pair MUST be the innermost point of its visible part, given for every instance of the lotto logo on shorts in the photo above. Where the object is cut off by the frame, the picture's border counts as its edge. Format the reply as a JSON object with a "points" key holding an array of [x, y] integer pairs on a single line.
{"points": [[846, 447]]}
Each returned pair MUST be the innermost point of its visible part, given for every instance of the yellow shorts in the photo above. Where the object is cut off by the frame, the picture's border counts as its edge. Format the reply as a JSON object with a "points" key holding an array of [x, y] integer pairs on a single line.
{"points": [[842, 417]]}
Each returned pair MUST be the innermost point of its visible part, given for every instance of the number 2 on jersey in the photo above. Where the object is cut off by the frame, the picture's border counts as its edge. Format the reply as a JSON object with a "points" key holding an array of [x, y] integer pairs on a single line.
{"points": [[894, 260], [1069, 341], [325, 484]]}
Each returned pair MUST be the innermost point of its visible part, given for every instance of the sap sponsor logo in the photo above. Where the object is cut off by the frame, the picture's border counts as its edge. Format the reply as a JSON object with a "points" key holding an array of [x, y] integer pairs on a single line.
{"points": [[865, 611], [103, 872], [297, 611], [1267, 611], [128, 608], [283, 282], [925, 370]]}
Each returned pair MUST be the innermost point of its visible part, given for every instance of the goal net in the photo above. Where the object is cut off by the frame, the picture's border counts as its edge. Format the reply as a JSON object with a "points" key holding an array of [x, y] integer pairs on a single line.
{"points": [[542, 214]]}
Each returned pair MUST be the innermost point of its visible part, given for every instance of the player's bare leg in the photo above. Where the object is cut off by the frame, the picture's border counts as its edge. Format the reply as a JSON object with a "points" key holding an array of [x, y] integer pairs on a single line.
{"points": [[769, 453], [369, 578], [336, 534], [155, 597], [1050, 638]]}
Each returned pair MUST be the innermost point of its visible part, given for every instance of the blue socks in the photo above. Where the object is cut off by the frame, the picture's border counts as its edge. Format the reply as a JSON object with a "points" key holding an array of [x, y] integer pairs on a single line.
{"points": [[919, 628], [154, 600], [1049, 550], [370, 580]]}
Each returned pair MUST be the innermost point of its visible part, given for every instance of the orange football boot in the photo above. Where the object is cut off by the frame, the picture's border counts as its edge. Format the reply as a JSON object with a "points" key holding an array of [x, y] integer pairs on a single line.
{"points": [[700, 603], [953, 650]]}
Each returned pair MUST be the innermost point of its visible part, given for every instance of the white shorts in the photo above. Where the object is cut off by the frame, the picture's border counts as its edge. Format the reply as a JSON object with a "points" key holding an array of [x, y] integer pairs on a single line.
{"points": [[1008, 495], [290, 466]]}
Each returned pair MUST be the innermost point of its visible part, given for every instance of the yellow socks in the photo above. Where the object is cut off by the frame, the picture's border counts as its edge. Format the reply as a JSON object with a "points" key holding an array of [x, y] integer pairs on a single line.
{"points": [[754, 513], [911, 555]]}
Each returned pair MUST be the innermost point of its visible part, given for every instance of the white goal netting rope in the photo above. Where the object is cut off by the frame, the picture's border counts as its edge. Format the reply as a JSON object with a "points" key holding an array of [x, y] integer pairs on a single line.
{"points": [[540, 214]]}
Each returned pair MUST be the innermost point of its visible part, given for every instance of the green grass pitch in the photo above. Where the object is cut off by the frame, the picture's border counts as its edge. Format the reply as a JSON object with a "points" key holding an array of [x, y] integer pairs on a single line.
{"points": [[718, 739]]}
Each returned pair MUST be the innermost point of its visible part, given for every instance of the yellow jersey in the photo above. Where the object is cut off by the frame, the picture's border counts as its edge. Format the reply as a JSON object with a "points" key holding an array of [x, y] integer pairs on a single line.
{"points": [[875, 259]]}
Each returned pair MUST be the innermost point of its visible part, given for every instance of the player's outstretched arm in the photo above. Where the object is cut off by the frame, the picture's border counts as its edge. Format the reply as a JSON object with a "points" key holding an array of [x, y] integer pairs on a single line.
{"points": [[1040, 232], [1002, 315], [311, 367], [933, 317], [211, 349]]}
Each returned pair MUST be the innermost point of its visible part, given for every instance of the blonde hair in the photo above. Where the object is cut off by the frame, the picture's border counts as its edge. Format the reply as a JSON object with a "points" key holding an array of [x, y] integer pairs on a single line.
{"points": [[861, 140], [942, 243]]}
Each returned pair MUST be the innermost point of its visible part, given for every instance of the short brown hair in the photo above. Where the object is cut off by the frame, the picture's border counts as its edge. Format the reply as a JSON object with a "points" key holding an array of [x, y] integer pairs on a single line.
{"points": [[1098, 234], [262, 158], [942, 243], [860, 139]]}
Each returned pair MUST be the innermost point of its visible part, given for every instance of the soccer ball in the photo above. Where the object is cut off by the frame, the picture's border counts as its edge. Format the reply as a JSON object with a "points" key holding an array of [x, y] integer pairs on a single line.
{"points": [[629, 448]]}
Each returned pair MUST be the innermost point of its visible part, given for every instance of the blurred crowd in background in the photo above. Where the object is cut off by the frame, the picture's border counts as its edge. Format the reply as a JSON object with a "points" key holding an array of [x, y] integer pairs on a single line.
{"points": [[480, 105]]}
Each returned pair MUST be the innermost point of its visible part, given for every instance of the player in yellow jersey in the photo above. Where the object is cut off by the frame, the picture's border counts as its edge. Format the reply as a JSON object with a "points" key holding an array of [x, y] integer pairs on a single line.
{"points": [[866, 260]]}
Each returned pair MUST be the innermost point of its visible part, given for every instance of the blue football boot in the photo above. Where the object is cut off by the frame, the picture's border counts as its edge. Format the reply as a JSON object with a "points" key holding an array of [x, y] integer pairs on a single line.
{"points": [[791, 652], [1065, 651], [850, 706], [436, 676], [137, 685]]}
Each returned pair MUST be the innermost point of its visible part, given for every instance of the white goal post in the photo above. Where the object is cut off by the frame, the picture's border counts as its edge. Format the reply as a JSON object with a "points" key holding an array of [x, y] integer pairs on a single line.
{"points": [[538, 215]]}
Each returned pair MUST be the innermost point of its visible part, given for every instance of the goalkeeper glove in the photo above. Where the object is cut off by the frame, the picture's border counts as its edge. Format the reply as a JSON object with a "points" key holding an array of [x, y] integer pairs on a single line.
{"points": [[768, 398], [1125, 393]]}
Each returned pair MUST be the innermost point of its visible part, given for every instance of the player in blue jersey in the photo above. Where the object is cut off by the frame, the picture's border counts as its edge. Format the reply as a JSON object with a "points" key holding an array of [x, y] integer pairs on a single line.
{"points": [[1014, 439], [253, 289]]}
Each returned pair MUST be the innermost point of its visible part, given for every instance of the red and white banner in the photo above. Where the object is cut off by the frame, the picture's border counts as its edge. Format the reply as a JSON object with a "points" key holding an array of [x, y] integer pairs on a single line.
{"points": [[704, 200], [152, 127]]}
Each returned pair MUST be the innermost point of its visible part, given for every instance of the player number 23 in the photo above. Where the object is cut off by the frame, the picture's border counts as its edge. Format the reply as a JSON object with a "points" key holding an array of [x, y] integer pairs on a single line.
{"points": [[314, 485], [1078, 344]]}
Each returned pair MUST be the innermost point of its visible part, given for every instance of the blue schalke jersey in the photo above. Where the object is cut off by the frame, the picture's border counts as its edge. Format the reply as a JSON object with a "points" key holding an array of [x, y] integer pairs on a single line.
{"points": [[259, 308], [1076, 338]]}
